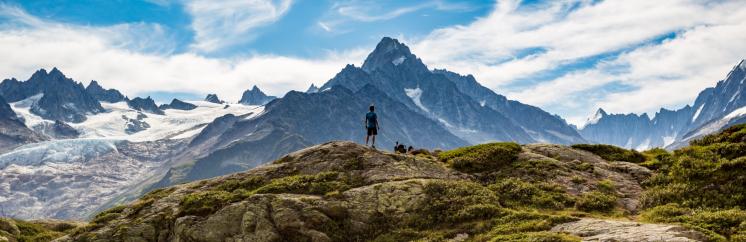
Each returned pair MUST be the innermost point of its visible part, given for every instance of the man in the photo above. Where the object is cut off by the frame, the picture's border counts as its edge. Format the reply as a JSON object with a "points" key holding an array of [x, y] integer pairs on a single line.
{"points": [[371, 124]]}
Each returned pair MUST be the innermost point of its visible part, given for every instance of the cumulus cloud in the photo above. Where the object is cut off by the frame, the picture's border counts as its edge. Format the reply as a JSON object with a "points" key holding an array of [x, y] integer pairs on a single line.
{"points": [[219, 24], [112, 55], [516, 43]]}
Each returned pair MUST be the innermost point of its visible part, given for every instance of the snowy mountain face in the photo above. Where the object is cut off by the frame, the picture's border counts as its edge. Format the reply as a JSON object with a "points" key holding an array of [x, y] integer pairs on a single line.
{"points": [[51, 168], [714, 109], [61, 97]]}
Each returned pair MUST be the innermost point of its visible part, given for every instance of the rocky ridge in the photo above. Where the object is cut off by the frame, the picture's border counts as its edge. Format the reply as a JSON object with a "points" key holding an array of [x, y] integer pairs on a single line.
{"points": [[341, 191]]}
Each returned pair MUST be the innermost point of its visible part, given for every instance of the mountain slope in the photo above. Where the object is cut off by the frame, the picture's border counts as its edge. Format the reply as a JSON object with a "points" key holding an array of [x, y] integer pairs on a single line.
{"points": [[542, 126], [394, 70], [233, 143], [13, 132], [714, 109]]}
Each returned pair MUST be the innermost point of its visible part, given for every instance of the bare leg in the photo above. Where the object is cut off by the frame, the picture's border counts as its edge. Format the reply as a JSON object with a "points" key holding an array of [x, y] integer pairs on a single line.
{"points": [[366, 140], [374, 141]]}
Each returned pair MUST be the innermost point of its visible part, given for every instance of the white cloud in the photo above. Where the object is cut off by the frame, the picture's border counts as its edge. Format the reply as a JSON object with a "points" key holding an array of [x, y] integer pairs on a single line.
{"points": [[223, 23], [105, 54], [710, 41]]}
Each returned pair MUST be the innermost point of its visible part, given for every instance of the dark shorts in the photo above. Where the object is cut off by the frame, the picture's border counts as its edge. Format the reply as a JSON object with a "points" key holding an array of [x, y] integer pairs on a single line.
{"points": [[372, 131]]}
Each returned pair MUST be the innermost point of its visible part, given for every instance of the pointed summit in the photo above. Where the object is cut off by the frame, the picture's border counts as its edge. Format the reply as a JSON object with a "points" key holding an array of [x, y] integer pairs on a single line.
{"points": [[101, 94], [255, 97], [213, 98], [312, 89], [389, 52]]}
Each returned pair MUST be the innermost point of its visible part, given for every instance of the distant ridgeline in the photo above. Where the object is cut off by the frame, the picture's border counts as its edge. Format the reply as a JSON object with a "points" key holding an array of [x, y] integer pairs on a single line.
{"points": [[714, 109]]}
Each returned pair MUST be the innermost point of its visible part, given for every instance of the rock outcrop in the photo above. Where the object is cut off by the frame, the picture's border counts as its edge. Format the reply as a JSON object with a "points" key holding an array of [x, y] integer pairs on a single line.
{"points": [[622, 231]]}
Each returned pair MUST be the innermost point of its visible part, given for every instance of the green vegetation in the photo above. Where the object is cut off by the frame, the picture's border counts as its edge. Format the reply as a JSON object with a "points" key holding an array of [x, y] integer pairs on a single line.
{"points": [[596, 202], [24, 231], [318, 184], [515, 193], [703, 185], [612, 153], [481, 158]]}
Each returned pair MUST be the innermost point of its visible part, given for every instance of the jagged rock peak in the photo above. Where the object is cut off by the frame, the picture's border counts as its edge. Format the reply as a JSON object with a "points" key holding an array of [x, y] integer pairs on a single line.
{"points": [[254, 96], [213, 98], [145, 105], [102, 94], [312, 89], [389, 51], [178, 104]]}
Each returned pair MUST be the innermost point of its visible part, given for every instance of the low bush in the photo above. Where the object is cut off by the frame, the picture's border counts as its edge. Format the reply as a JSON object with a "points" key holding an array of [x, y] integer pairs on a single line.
{"points": [[513, 192], [596, 202], [205, 202], [729, 223], [612, 153], [318, 184], [454, 202], [31, 232], [481, 158]]}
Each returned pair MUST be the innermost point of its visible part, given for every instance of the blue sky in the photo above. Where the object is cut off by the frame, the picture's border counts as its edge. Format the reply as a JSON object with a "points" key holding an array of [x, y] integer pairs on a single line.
{"points": [[568, 57]]}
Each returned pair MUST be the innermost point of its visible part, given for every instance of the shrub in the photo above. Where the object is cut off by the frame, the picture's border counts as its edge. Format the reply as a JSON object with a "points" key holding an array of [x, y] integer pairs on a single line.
{"points": [[537, 237], [669, 213], [31, 232], [596, 201], [318, 184], [455, 201], [481, 158], [513, 192], [612, 153], [606, 186], [205, 202], [246, 183]]}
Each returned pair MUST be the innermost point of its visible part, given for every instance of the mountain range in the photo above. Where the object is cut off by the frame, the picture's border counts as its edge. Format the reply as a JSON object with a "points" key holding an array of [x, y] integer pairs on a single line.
{"points": [[714, 108], [108, 148]]}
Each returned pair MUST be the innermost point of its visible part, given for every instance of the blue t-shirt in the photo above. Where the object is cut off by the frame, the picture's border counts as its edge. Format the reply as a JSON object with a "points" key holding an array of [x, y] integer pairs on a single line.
{"points": [[371, 119]]}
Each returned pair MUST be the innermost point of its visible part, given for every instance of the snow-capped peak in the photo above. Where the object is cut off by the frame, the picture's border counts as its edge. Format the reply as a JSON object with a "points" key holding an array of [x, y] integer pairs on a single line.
{"points": [[600, 113]]}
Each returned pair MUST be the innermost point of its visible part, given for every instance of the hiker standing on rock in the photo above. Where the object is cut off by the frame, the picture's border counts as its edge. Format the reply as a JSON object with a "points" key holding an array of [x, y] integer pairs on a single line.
{"points": [[371, 124]]}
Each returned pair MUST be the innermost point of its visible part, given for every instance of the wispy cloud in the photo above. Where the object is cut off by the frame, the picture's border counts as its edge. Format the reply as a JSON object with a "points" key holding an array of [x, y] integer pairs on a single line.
{"points": [[571, 32], [223, 23], [111, 56], [346, 12]]}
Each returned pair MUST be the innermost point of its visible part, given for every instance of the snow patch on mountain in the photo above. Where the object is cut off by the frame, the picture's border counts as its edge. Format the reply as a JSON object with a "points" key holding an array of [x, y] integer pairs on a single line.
{"points": [[399, 60], [113, 123], [415, 95], [696, 114]]}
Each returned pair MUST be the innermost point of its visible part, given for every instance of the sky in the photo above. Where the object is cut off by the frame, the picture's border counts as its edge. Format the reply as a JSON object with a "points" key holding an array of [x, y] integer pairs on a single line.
{"points": [[568, 57]]}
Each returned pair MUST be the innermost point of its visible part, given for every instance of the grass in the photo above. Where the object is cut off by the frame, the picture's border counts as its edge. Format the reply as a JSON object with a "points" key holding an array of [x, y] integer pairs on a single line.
{"points": [[515, 193], [612, 153], [481, 158], [596, 202], [31, 232]]}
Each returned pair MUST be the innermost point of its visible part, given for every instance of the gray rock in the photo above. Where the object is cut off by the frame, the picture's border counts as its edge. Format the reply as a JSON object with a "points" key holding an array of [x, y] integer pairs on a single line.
{"points": [[621, 231]]}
